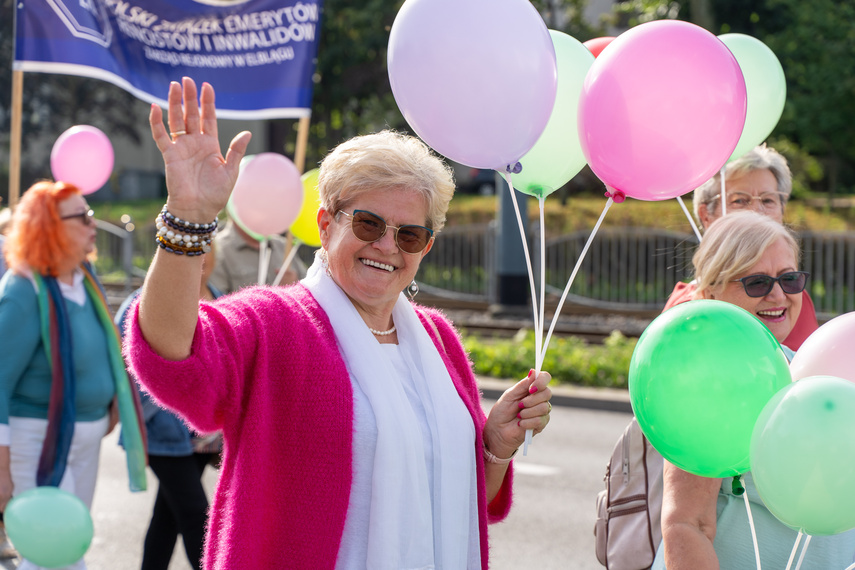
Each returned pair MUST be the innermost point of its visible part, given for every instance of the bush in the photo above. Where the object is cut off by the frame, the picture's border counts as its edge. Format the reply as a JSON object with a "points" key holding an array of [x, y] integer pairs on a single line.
{"points": [[570, 360]]}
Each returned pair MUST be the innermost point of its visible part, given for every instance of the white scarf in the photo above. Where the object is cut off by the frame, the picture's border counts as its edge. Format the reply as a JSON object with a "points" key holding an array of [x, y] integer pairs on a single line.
{"points": [[403, 532]]}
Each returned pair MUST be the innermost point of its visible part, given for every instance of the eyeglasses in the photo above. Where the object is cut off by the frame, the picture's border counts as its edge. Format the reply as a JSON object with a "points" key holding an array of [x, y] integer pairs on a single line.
{"points": [[88, 217], [369, 227], [766, 202], [760, 285]]}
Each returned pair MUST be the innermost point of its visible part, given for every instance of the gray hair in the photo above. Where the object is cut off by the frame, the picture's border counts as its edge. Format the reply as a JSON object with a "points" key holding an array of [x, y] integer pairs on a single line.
{"points": [[386, 160], [734, 243], [758, 158]]}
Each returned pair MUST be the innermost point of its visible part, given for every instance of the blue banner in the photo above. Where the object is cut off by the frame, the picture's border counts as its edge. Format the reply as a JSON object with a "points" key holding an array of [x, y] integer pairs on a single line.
{"points": [[259, 55]]}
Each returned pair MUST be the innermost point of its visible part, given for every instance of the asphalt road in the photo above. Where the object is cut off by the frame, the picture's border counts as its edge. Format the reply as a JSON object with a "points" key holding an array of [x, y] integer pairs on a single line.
{"points": [[550, 525]]}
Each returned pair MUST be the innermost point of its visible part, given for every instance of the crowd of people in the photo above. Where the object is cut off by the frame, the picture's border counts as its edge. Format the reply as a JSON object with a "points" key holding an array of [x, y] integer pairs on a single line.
{"points": [[335, 376]]}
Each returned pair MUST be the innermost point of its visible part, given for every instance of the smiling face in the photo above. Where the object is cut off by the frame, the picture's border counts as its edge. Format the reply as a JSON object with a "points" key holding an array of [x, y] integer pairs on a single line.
{"points": [[777, 310], [80, 231], [372, 275]]}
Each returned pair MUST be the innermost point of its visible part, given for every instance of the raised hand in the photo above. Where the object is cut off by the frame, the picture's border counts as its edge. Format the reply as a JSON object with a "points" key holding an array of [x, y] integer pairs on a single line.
{"points": [[199, 180]]}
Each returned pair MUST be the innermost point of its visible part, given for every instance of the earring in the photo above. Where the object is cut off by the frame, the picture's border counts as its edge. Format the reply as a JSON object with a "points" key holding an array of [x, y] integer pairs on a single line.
{"points": [[413, 290], [325, 262]]}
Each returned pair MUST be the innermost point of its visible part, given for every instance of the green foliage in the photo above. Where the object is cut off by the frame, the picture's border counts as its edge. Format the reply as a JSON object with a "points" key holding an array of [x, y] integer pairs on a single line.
{"points": [[816, 47], [569, 359], [630, 13], [806, 169]]}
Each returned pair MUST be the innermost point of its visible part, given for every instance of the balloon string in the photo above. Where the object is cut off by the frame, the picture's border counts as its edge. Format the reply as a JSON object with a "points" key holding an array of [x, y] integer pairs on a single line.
{"points": [[609, 202], [723, 194], [263, 258], [795, 549], [541, 353], [537, 325], [288, 259], [689, 217], [751, 523], [804, 550]]}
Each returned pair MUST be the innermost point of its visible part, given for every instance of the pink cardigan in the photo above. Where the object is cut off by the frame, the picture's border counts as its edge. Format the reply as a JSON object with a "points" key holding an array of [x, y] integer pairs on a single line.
{"points": [[265, 368]]}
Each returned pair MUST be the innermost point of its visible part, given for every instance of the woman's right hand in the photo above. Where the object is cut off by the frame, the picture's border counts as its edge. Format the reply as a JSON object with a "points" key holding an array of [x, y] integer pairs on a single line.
{"points": [[199, 180]]}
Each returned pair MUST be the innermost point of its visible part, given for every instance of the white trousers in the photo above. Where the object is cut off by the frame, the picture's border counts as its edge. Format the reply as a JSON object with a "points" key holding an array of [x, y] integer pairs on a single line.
{"points": [[81, 471]]}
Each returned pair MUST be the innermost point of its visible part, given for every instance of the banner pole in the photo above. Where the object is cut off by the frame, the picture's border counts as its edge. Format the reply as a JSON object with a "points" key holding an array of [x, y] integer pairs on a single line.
{"points": [[302, 143], [15, 135]]}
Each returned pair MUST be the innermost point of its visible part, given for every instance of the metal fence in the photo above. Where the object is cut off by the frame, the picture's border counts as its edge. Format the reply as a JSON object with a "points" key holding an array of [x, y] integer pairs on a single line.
{"points": [[624, 268]]}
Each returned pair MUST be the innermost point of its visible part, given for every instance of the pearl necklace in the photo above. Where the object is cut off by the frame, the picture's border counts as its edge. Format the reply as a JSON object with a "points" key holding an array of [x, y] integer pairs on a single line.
{"points": [[382, 333]]}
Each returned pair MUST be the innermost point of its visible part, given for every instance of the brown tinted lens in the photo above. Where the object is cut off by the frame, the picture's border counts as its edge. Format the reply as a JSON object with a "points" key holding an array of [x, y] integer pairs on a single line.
{"points": [[413, 239], [368, 227]]}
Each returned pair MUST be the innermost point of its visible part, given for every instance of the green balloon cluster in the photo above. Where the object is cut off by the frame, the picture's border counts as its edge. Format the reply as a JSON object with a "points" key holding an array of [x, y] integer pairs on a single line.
{"points": [[557, 155], [49, 527], [698, 379], [803, 455]]}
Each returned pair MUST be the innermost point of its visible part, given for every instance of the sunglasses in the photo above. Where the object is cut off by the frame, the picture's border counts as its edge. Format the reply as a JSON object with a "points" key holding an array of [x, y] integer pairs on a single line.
{"points": [[760, 285], [369, 227], [88, 217]]}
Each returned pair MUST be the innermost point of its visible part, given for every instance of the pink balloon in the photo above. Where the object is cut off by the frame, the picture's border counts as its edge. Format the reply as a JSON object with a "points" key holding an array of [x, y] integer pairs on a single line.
{"points": [[476, 80], [82, 156], [661, 110], [268, 194], [827, 351]]}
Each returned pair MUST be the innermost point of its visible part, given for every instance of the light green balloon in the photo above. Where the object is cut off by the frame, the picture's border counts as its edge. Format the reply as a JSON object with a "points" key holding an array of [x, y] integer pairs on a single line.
{"points": [[699, 376], [803, 455], [765, 85], [557, 155], [49, 527]]}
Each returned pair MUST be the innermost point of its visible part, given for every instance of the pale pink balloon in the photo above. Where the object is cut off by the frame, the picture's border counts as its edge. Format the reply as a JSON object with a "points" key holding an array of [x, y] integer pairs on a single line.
{"points": [[475, 79], [662, 108], [83, 156], [827, 351], [268, 194]]}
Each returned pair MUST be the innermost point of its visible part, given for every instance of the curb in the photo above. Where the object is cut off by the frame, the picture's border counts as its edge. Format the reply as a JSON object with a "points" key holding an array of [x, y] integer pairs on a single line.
{"points": [[605, 399]]}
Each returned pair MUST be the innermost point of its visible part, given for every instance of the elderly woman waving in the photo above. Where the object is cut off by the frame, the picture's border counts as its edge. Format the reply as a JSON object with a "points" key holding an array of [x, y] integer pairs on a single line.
{"points": [[354, 436]]}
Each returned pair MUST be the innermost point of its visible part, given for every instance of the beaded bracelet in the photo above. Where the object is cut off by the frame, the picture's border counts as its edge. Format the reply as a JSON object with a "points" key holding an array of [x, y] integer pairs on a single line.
{"points": [[189, 251], [183, 225], [182, 237], [493, 459]]}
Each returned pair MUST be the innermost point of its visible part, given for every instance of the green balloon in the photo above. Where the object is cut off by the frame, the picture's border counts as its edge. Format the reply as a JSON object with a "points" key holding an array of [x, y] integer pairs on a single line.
{"points": [[698, 378], [557, 155], [803, 455], [765, 85], [49, 527]]}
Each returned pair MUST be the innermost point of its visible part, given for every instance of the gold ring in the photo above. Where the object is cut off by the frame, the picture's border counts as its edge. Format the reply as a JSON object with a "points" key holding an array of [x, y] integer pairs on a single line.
{"points": [[549, 411], [177, 134]]}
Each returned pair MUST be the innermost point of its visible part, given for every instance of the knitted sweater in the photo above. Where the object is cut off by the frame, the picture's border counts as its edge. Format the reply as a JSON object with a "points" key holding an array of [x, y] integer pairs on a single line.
{"points": [[275, 383]]}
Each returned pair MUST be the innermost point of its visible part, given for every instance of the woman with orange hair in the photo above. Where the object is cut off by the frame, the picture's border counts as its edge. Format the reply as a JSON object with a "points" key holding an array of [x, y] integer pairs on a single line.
{"points": [[62, 373]]}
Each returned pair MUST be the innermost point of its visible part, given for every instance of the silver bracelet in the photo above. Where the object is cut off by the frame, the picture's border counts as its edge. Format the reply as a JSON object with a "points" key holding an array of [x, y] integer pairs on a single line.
{"points": [[493, 459]]}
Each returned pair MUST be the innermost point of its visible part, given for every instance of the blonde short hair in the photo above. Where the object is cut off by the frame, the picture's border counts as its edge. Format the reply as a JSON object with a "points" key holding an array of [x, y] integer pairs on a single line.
{"points": [[734, 243], [758, 158], [386, 161]]}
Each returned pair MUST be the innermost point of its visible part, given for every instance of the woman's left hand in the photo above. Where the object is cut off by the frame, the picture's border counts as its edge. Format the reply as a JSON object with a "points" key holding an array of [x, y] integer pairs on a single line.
{"points": [[522, 407]]}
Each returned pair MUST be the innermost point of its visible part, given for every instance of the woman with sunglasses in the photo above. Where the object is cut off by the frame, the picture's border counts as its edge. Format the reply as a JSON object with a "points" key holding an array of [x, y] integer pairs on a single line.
{"points": [[353, 431], [61, 354], [751, 261], [759, 180]]}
